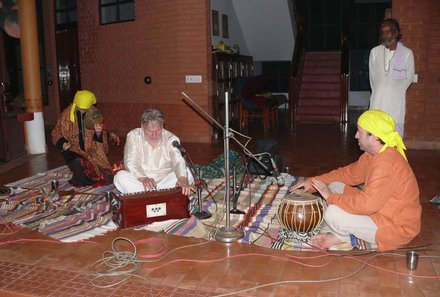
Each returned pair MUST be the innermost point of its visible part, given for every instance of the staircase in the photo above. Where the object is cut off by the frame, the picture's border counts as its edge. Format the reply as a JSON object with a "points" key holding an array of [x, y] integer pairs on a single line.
{"points": [[320, 91]]}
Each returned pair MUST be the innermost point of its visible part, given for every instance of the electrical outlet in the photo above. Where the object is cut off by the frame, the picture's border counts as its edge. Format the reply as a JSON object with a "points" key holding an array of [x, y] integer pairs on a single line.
{"points": [[156, 210], [193, 79]]}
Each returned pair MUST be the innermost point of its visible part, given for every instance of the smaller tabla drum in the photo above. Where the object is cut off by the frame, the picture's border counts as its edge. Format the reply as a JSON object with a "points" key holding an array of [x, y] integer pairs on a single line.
{"points": [[300, 212]]}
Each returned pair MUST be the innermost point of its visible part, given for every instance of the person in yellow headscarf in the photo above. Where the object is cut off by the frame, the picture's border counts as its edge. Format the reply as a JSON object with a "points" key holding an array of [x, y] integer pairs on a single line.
{"points": [[84, 145], [376, 198]]}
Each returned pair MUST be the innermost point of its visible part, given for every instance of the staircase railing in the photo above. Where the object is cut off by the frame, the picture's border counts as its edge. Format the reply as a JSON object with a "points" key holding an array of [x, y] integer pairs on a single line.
{"points": [[296, 68], [345, 68]]}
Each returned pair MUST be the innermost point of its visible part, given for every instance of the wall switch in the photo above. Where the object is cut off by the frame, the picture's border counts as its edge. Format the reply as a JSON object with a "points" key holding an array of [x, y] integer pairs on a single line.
{"points": [[193, 79], [156, 210], [416, 78]]}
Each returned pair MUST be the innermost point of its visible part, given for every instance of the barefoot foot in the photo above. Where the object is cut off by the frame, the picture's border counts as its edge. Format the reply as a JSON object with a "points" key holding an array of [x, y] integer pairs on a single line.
{"points": [[324, 241]]}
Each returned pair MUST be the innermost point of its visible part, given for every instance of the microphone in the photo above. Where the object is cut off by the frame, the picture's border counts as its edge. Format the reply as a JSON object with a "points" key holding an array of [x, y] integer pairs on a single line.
{"points": [[177, 145], [276, 173]]}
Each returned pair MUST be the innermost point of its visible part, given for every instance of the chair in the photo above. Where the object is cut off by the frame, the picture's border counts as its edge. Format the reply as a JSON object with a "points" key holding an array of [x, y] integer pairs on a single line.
{"points": [[256, 103]]}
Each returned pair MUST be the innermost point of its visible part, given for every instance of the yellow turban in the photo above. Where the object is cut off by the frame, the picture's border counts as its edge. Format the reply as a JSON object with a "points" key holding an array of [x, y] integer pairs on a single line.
{"points": [[83, 99], [382, 125]]}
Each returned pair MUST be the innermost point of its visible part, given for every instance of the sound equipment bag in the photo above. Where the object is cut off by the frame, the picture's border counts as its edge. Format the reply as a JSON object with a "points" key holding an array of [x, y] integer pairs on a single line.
{"points": [[265, 146]]}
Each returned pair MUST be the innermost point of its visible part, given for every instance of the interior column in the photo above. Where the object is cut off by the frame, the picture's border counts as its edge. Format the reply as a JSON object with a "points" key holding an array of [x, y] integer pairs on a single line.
{"points": [[27, 17]]}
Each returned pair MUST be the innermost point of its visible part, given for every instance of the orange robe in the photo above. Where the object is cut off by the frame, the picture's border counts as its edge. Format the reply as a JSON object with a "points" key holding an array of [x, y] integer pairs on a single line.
{"points": [[94, 151], [390, 196]]}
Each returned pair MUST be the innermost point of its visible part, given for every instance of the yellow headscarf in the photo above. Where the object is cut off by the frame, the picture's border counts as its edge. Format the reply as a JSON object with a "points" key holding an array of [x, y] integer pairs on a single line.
{"points": [[382, 125], [83, 99]]}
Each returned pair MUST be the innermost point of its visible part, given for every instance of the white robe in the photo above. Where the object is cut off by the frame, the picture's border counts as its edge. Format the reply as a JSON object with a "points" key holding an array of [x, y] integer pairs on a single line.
{"points": [[388, 94], [164, 163]]}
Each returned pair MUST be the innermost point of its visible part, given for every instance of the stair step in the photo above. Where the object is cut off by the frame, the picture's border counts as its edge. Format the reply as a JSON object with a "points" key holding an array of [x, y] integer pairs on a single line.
{"points": [[313, 110], [321, 86], [317, 118], [312, 102], [321, 70], [321, 78], [323, 55], [322, 63], [319, 94]]}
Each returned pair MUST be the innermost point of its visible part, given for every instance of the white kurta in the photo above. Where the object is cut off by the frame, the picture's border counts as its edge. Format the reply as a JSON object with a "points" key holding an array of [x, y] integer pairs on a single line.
{"points": [[142, 160], [388, 94]]}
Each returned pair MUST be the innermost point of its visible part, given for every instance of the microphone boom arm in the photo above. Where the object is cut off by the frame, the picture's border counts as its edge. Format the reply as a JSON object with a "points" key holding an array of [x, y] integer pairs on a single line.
{"points": [[209, 117]]}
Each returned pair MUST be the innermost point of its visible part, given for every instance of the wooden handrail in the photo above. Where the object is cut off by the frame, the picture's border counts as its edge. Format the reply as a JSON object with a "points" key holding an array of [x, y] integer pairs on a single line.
{"points": [[345, 68], [296, 68]]}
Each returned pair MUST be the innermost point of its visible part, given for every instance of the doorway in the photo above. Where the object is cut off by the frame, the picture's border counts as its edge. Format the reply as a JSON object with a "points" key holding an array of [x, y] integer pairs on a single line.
{"points": [[67, 51], [68, 65]]}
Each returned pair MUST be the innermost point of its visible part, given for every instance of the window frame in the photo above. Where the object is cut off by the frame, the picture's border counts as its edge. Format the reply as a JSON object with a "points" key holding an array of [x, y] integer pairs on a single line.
{"points": [[116, 4], [65, 10]]}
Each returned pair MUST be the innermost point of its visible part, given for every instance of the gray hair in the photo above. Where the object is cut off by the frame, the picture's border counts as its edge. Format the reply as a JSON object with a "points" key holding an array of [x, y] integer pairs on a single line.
{"points": [[153, 116]]}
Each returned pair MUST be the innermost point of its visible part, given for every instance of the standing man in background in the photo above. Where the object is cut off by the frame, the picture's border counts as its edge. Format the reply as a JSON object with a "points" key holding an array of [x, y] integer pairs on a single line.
{"points": [[391, 67]]}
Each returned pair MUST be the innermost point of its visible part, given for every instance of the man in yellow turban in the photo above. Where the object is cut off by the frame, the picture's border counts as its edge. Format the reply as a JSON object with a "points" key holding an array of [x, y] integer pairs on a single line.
{"points": [[386, 211], [84, 145]]}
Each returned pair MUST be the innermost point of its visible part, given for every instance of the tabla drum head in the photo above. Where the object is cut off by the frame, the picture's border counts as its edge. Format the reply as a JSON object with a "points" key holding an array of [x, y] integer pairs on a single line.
{"points": [[302, 197]]}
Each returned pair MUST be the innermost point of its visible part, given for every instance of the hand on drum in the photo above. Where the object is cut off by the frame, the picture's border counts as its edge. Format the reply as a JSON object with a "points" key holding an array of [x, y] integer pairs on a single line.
{"points": [[321, 187], [306, 184]]}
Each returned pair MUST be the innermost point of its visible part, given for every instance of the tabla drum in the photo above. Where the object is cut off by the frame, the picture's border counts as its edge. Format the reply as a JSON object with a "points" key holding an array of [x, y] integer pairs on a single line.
{"points": [[300, 212]]}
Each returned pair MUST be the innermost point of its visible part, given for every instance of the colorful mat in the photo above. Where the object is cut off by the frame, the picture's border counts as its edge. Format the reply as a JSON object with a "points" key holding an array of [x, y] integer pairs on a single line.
{"points": [[69, 214]]}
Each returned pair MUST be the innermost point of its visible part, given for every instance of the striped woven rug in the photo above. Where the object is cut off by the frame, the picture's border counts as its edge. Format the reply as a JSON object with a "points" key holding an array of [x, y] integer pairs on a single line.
{"points": [[87, 214]]}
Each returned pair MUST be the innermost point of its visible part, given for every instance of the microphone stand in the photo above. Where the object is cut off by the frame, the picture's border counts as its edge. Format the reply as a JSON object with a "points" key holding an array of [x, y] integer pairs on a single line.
{"points": [[199, 182], [227, 233], [237, 190], [201, 214]]}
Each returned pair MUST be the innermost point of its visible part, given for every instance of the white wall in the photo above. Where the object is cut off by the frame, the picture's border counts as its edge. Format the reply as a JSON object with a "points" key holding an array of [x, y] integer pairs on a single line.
{"points": [[359, 99], [262, 28], [235, 32], [267, 28]]}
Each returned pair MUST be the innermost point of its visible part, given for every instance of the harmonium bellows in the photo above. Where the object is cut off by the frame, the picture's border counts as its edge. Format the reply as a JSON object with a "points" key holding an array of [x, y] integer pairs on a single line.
{"points": [[137, 209]]}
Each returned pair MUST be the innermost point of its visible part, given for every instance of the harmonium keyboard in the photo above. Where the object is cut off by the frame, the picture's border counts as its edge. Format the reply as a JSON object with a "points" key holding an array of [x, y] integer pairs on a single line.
{"points": [[136, 209]]}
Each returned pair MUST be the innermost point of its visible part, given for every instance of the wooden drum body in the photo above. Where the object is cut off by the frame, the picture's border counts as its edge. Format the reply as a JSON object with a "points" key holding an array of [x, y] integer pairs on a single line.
{"points": [[300, 212]]}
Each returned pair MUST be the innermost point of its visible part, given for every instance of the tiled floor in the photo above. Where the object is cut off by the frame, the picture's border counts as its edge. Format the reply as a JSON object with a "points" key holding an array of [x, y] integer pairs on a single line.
{"points": [[49, 268]]}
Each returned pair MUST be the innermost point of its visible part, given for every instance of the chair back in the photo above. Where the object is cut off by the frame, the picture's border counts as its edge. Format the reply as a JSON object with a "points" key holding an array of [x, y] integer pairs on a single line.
{"points": [[248, 87]]}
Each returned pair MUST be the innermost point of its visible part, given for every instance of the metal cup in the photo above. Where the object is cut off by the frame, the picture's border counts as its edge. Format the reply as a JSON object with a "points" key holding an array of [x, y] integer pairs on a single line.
{"points": [[412, 259]]}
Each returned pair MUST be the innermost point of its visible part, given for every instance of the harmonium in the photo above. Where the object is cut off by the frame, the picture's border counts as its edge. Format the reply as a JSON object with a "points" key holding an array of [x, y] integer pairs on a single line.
{"points": [[137, 209]]}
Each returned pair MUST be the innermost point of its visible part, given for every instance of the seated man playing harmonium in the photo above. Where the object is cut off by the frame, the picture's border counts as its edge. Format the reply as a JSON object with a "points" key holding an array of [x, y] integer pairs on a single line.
{"points": [[151, 160]]}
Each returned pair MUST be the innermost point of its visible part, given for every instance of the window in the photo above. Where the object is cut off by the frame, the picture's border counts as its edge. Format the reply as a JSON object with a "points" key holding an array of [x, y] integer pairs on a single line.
{"points": [[115, 11], [65, 11]]}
